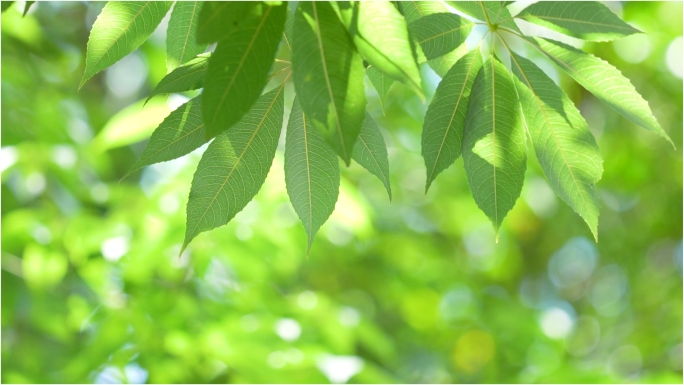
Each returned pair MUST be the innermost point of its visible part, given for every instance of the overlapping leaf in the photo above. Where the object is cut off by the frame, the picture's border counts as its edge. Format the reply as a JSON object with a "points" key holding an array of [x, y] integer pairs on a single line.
{"points": [[181, 44], [218, 18], [564, 146], [604, 81], [588, 20], [494, 12], [312, 173], [179, 134], [446, 116], [119, 29], [494, 151], [235, 166], [328, 76], [187, 77], [370, 152], [440, 33], [381, 83], [380, 34], [239, 67]]}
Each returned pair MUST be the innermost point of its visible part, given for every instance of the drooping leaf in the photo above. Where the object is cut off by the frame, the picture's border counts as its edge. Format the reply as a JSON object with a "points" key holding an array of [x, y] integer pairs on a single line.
{"points": [[181, 44], [120, 28], [604, 81], [239, 67], [381, 83], [588, 20], [179, 134], [235, 166], [446, 116], [27, 6], [413, 10], [440, 33], [494, 150], [380, 34], [564, 146], [312, 172], [328, 76], [370, 152], [494, 12], [218, 18], [187, 77]]}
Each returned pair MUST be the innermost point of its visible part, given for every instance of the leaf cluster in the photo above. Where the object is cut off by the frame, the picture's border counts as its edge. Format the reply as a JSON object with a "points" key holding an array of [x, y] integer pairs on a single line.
{"points": [[490, 108]]}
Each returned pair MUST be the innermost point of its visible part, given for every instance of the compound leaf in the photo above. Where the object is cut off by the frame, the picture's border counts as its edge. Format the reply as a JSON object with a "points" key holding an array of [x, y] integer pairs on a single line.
{"points": [[380, 34], [235, 166], [181, 44], [370, 152], [494, 151], [312, 172], [187, 77], [328, 76], [120, 28], [488, 11], [564, 146], [238, 69], [445, 118], [440, 33], [588, 20], [604, 81], [179, 134]]}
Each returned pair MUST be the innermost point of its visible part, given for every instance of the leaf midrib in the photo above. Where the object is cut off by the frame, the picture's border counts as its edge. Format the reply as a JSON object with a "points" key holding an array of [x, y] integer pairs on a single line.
{"points": [[579, 21], [442, 34], [384, 178], [240, 64], [496, 201], [327, 80], [187, 34], [239, 158]]}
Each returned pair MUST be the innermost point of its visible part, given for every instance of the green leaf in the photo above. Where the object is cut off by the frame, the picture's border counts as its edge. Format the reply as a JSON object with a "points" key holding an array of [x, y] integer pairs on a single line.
{"points": [[588, 20], [238, 69], [440, 33], [187, 77], [312, 172], [565, 147], [328, 76], [121, 28], [494, 12], [413, 10], [179, 134], [370, 152], [287, 35], [380, 34], [181, 45], [494, 148], [604, 81], [218, 18], [381, 83], [4, 5], [27, 6], [235, 166], [446, 116]]}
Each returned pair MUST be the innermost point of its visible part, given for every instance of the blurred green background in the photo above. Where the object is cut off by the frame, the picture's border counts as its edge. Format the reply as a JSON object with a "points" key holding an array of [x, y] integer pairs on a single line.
{"points": [[412, 291]]}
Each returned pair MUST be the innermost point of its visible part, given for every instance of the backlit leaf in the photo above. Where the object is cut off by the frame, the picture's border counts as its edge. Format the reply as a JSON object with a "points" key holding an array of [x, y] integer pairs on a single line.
{"points": [[446, 116], [187, 77], [239, 67], [179, 134], [380, 34], [588, 20], [440, 33], [312, 172], [604, 81], [494, 149], [564, 146], [381, 83], [181, 44], [235, 166], [328, 76], [119, 29], [217, 18], [370, 152], [487, 11]]}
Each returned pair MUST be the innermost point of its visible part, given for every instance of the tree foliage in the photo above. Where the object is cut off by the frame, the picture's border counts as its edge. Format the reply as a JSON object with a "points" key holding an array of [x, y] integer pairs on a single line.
{"points": [[484, 109]]}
